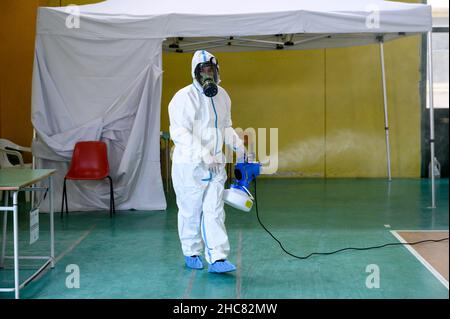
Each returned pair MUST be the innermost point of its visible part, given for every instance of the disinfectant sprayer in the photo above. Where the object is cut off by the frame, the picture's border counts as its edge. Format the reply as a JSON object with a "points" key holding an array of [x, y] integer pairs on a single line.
{"points": [[238, 196]]}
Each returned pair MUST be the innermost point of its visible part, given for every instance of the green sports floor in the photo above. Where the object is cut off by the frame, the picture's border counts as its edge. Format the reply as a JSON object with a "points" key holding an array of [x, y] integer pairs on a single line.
{"points": [[137, 254]]}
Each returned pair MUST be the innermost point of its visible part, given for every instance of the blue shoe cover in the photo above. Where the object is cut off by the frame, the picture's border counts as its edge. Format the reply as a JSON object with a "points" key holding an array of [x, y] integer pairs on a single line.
{"points": [[193, 262], [221, 266]]}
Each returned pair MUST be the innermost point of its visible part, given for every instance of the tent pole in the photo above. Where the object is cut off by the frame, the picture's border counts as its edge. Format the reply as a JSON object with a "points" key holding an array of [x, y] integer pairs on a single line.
{"points": [[385, 103], [34, 158], [431, 105], [33, 165]]}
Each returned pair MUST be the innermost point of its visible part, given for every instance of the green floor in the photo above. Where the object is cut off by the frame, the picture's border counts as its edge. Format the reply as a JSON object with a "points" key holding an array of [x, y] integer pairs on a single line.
{"points": [[137, 254]]}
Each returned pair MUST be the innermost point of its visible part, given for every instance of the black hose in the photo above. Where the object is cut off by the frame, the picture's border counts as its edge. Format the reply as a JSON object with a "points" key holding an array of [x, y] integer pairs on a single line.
{"points": [[339, 250]]}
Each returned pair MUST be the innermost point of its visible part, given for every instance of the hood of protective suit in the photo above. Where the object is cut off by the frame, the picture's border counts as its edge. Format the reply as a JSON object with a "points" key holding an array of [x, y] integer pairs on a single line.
{"points": [[200, 56]]}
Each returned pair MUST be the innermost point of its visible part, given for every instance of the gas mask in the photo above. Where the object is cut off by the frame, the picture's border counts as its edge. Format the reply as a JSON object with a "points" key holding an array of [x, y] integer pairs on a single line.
{"points": [[207, 75]]}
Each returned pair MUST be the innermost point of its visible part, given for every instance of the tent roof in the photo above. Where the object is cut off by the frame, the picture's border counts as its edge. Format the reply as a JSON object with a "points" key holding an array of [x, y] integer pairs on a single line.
{"points": [[238, 18]]}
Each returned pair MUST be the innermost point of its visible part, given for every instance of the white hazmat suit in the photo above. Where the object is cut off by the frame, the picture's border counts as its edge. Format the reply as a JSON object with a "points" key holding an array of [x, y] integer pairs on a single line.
{"points": [[198, 126]]}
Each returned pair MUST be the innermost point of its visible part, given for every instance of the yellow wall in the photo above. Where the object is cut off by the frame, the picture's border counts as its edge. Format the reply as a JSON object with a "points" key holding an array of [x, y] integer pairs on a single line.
{"points": [[17, 32], [327, 104], [355, 143]]}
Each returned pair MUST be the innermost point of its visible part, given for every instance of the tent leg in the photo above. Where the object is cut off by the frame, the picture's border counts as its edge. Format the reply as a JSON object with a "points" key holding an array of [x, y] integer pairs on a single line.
{"points": [[33, 166], [431, 104], [385, 103]]}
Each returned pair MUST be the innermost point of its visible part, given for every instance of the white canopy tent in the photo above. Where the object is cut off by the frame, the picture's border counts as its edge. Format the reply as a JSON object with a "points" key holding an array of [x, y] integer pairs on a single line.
{"points": [[97, 72]]}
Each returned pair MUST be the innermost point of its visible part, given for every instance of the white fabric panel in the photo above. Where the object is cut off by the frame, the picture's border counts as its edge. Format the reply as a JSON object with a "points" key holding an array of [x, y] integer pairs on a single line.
{"points": [[107, 90], [195, 18]]}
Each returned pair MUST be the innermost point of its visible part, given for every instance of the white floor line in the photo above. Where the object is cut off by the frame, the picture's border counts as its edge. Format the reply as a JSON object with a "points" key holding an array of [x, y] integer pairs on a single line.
{"points": [[420, 258], [422, 231]]}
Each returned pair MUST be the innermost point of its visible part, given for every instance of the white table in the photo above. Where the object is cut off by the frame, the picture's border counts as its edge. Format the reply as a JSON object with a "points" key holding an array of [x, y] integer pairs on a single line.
{"points": [[17, 180]]}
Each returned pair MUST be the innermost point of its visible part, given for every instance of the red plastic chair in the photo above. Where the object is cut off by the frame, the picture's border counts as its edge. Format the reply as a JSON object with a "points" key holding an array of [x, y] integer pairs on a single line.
{"points": [[89, 162]]}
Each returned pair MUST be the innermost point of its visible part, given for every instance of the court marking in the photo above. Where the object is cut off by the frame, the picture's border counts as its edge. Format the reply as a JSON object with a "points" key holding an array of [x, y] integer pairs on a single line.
{"points": [[188, 290], [421, 231], [75, 244], [427, 265], [239, 267], [68, 250]]}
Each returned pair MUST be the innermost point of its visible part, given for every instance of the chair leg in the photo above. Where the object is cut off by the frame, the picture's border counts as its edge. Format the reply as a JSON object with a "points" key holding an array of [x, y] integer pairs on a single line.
{"points": [[110, 199], [64, 199], [112, 206]]}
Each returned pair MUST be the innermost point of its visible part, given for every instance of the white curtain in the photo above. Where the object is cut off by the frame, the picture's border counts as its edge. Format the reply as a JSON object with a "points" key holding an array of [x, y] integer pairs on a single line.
{"points": [[102, 89]]}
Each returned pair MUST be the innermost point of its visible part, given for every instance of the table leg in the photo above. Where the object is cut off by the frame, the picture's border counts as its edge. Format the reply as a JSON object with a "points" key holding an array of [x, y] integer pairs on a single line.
{"points": [[52, 224], [5, 229], [16, 243]]}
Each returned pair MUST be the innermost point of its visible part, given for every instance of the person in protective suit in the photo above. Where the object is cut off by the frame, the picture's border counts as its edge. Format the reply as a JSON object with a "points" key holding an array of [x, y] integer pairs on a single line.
{"points": [[200, 122]]}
